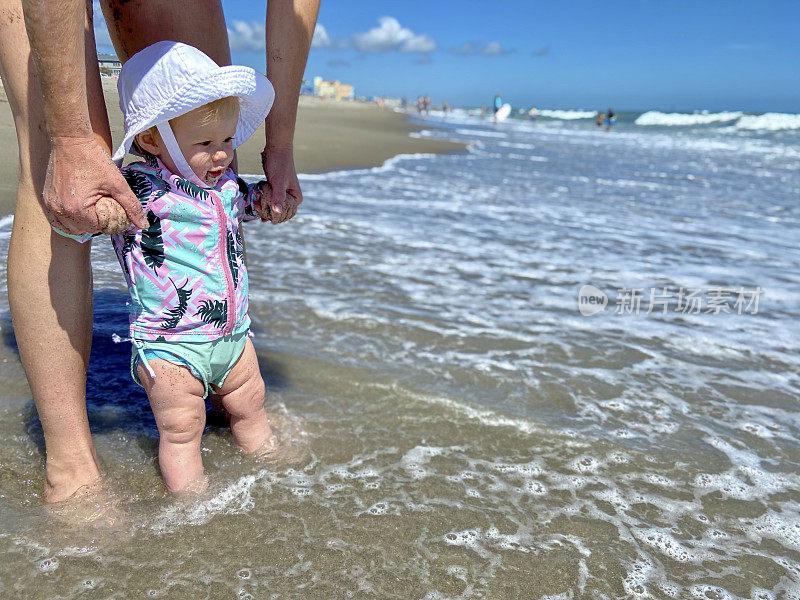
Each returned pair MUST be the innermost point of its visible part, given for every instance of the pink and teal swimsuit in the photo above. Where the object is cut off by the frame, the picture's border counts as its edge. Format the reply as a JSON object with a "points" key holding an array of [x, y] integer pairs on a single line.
{"points": [[186, 274]]}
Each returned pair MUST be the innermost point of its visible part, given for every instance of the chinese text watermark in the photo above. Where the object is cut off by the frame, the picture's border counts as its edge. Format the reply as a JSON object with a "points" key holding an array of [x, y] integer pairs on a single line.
{"points": [[664, 300]]}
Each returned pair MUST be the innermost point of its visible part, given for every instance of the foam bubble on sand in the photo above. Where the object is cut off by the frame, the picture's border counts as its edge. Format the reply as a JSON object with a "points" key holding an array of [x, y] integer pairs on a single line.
{"points": [[746, 480], [784, 528], [484, 543], [378, 509], [586, 464], [468, 538], [638, 574], [234, 498], [669, 546], [414, 460], [47, 565], [711, 592]]}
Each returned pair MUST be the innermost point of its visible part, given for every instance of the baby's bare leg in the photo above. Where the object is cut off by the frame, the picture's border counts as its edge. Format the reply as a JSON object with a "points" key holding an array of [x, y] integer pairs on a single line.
{"points": [[242, 395], [176, 397]]}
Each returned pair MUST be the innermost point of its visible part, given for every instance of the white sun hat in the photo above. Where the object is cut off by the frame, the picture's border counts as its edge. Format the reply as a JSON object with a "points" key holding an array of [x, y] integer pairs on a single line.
{"points": [[169, 79]]}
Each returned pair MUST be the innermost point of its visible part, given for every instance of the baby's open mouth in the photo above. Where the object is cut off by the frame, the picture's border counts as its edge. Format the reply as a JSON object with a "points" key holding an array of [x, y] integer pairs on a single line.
{"points": [[215, 173]]}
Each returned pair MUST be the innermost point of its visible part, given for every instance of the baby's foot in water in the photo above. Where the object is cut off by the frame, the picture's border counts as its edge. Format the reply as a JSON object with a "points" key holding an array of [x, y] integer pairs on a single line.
{"points": [[268, 448], [193, 489]]}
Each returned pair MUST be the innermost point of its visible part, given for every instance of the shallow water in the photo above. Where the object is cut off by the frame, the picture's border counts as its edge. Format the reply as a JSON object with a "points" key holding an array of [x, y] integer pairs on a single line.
{"points": [[452, 426]]}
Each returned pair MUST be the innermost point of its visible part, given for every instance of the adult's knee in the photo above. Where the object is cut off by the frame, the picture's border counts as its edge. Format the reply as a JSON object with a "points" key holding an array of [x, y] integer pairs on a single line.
{"points": [[182, 425]]}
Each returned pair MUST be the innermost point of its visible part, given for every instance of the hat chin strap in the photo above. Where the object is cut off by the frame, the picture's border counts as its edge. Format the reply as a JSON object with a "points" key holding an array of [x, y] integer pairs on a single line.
{"points": [[185, 171]]}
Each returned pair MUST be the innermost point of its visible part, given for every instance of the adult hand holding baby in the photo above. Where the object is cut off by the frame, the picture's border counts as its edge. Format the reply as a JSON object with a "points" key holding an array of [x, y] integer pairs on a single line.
{"points": [[84, 191], [283, 194]]}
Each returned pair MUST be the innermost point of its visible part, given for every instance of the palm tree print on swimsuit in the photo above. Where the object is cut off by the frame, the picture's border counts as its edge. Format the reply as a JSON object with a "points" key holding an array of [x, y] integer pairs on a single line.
{"points": [[213, 312], [174, 315], [233, 250], [152, 243], [144, 182], [191, 189]]}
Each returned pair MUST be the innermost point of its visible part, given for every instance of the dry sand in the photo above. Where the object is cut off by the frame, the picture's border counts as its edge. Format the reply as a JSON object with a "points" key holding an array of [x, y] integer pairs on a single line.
{"points": [[330, 135]]}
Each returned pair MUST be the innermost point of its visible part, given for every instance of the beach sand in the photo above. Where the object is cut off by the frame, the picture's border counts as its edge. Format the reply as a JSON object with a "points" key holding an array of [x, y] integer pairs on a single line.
{"points": [[330, 136]]}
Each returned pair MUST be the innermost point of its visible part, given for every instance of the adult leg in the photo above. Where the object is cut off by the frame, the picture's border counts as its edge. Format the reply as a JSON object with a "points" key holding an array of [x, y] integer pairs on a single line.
{"points": [[136, 24], [176, 397], [49, 277]]}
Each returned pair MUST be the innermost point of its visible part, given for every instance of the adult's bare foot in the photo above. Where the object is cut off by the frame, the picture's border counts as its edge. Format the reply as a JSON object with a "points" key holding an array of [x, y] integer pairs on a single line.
{"points": [[97, 503], [63, 482]]}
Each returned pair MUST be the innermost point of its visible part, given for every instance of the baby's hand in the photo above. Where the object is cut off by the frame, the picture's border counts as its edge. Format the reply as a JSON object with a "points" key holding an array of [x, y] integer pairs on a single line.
{"points": [[111, 216], [260, 204]]}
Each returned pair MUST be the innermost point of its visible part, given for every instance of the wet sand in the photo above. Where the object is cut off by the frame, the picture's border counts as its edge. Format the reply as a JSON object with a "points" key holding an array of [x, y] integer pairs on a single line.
{"points": [[330, 136]]}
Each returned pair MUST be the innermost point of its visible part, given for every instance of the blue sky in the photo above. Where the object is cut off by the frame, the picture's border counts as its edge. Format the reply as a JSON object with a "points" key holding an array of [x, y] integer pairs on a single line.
{"points": [[637, 54]]}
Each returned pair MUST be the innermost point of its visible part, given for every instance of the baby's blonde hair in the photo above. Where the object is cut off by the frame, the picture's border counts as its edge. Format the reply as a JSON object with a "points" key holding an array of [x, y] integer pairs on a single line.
{"points": [[219, 109], [211, 112]]}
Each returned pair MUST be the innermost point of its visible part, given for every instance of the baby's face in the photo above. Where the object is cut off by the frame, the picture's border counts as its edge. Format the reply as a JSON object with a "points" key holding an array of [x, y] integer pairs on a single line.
{"points": [[208, 148]]}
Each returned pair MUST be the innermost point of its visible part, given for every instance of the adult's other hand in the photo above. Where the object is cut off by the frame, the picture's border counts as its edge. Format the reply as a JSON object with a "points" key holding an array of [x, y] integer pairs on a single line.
{"points": [[283, 193], [79, 175]]}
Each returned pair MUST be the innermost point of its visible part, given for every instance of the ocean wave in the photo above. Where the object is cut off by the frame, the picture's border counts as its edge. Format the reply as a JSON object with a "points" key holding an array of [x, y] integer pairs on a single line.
{"points": [[488, 134], [654, 117], [769, 122], [568, 115]]}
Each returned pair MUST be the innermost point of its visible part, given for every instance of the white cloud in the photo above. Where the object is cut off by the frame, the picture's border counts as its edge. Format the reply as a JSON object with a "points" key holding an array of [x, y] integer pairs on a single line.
{"points": [[321, 38], [101, 37], [473, 48], [390, 35], [492, 49], [465, 48], [247, 37], [419, 43]]}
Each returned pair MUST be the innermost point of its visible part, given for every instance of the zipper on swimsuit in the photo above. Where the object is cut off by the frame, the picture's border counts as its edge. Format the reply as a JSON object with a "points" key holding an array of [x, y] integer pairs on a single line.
{"points": [[229, 289]]}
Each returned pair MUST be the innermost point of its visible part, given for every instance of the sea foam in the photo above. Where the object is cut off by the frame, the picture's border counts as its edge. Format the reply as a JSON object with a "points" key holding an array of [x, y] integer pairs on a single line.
{"points": [[567, 115], [654, 117], [769, 122]]}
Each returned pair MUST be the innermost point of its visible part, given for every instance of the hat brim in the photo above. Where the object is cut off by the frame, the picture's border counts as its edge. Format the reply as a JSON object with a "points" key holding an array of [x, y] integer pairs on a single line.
{"points": [[254, 90]]}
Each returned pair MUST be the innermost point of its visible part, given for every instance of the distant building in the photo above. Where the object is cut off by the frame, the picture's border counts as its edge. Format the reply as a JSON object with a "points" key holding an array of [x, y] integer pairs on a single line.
{"points": [[109, 64], [333, 89]]}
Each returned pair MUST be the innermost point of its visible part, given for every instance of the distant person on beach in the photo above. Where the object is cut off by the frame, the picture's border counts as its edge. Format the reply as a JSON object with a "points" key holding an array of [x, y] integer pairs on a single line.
{"points": [[497, 103], [427, 105], [188, 322], [483, 111], [533, 113], [444, 107], [600, 118], [611, 119], [48, 63]]}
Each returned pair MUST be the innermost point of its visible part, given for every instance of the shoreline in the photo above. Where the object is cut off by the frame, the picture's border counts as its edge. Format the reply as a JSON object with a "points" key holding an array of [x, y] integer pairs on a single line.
{"points": [[330, 136]]}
